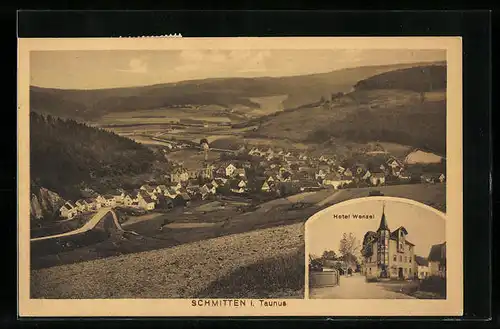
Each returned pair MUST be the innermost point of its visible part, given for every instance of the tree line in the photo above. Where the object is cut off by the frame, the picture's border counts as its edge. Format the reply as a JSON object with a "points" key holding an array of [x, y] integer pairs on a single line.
{"points": [[65, 153]]}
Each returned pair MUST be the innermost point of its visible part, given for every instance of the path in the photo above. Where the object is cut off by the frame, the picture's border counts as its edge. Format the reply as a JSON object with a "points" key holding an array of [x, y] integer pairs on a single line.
{"points": [[90, 225], [355, 287]]}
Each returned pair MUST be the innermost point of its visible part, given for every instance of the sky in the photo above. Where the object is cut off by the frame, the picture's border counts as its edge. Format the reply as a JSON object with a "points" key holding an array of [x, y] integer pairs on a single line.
{"points": [[425, 228], [97, 69]]}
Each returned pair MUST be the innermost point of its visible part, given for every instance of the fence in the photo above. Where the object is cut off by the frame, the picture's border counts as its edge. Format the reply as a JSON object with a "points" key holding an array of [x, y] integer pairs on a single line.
{"points": [[324, 279]]}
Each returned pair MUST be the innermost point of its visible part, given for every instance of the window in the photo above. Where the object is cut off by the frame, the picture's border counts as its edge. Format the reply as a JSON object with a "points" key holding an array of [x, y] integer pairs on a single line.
{"points": [[400, 258], [410, 259], [409, 270], [395, 258]]}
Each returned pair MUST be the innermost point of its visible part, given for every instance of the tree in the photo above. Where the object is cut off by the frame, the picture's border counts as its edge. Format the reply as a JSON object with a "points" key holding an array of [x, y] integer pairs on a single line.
{"points": [[349, 246], [329, 254]]}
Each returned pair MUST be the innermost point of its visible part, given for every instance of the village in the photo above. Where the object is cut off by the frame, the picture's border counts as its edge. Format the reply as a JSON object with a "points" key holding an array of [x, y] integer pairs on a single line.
{"points": [[260, 175]]}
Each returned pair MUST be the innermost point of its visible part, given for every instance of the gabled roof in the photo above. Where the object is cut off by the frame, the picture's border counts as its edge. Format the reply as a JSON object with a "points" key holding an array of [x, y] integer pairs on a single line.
{"points": [[147, 199], [438, 253], [422, 261], [395, 233]]}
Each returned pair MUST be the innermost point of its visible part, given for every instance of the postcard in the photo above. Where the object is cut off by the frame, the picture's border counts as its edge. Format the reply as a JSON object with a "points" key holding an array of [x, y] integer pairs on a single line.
{"points": [[311, 176]]}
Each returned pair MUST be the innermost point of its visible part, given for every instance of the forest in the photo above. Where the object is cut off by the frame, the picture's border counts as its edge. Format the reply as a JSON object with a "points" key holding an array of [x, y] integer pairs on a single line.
{"points": [[67, 156]]}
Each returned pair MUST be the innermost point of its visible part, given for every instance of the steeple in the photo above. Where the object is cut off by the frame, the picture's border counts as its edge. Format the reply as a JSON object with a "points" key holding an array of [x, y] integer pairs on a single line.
{"points": [[383, 221]]}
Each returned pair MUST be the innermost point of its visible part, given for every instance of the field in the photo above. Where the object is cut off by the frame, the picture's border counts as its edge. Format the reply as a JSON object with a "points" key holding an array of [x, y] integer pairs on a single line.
{"points": [[190, 270]]}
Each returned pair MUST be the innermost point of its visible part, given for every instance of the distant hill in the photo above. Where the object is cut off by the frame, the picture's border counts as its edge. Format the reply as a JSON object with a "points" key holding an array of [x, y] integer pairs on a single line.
{"points": [[422, 79], [226, 92], [386, 107], [66, 156]]}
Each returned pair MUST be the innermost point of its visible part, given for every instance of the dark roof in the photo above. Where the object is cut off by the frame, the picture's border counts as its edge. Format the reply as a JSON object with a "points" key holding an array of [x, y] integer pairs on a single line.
{"points": [[394, 234], [422, 261], [368, 236], [383, 222], [147, 199], [438, 253]]}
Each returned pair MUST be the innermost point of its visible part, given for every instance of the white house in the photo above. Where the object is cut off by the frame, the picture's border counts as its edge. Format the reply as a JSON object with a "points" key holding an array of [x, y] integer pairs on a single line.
{"points": [[230, 169], [146, 202], [266, 187], [334, 180], [377, 179], [81, 205], [422, 265], [68, 210]]}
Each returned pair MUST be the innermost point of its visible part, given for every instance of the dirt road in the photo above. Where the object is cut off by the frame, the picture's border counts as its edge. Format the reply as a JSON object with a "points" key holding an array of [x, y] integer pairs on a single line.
{"points": [[355, 287]]}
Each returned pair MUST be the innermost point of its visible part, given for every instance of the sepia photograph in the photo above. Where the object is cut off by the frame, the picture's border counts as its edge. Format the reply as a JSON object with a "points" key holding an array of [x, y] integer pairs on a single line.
{"points": [[189, 171], [377, 249]]}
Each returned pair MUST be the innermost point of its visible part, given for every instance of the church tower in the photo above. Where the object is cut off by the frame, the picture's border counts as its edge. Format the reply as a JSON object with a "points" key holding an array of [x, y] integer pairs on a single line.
{"points": [[383, 234]]}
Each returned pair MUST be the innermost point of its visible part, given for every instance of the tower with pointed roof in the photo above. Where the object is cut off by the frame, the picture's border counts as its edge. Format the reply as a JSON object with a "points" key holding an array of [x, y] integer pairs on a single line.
{"points": [[384, 234]]}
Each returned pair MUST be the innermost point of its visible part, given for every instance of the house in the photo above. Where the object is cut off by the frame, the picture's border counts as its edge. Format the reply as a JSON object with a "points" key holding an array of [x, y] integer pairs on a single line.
{"points": [[205, 192], [106, 200], [230, 170], [321, 174], [210, 188], [129, 199], [429, 178], [160, 189], [148, 188], [238, 186], [164, 202], [404, 175], [91, 204], [422, 267], [265, 187], [437, 260], [119, 195], [340, 170], [388, 254], [335, 180], [145, 201], [180, 175], [347, 172], [367, 175], [308, 185], [442, 178], [377, 178], [68, 210], [394, 164], [182, 199], [170, 192], [239, 172], [219, 182], [81, 205]]}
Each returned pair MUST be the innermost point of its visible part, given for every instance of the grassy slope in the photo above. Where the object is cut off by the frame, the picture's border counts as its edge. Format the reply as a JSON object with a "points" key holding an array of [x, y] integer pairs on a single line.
{"points": [[386, 114], [91, 104]]}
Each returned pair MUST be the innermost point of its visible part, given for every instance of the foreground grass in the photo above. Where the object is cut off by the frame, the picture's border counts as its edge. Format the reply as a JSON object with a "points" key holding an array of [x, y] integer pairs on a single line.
{"points": [[184, 271], [278, 277]]}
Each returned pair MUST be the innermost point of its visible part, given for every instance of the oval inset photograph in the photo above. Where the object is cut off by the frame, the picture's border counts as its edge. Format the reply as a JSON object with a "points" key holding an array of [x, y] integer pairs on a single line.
{"points": [[376, 248]]}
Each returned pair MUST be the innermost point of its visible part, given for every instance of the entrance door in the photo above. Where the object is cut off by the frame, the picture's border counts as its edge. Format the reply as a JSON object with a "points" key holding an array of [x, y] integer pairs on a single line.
{"points": [[400, 273]]}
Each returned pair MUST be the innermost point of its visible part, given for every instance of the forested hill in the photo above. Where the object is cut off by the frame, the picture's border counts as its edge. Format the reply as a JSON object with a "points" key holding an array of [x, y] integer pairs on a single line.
{"points": [[419, 79], [67, 156]]}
